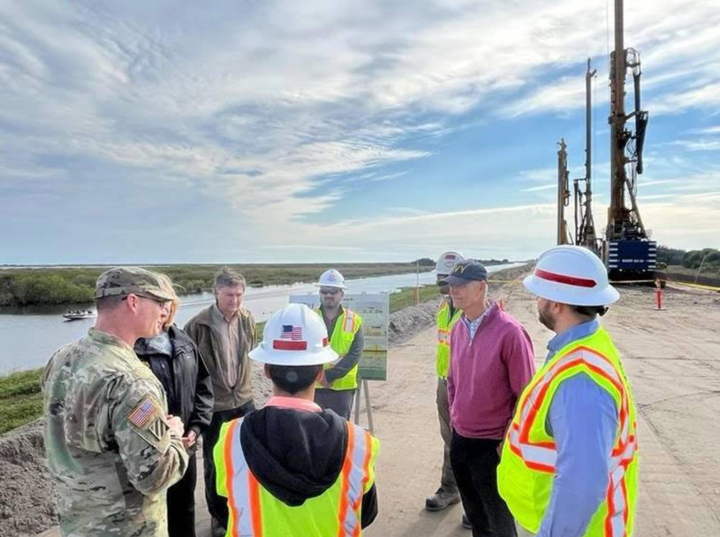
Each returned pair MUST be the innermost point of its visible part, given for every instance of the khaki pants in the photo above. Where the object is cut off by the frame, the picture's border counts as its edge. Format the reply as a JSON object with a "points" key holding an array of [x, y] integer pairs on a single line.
{"points": [[447, 479]]}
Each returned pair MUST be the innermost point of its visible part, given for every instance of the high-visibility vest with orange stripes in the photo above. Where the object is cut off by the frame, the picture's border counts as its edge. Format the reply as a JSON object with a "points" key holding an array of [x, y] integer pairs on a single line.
{"points": [[527, 468], [255, 512], [340, 341], [444, 325]]}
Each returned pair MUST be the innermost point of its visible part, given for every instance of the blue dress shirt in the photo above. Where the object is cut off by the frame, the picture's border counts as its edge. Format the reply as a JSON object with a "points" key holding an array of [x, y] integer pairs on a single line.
{"points": [[583, 419]]}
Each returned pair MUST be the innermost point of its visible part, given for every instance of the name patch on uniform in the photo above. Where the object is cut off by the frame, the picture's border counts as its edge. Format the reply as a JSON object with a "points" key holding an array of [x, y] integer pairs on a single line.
{"points": [[145, 413]]}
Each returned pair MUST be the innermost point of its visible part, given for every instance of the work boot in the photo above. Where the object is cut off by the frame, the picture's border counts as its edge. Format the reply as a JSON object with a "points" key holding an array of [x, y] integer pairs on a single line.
{"points": [[466, 522], [216, 528], [441, 500]]}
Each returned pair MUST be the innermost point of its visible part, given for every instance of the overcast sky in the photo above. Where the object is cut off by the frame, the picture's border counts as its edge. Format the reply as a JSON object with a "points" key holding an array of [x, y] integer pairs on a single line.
{"points": [[326, 130]]}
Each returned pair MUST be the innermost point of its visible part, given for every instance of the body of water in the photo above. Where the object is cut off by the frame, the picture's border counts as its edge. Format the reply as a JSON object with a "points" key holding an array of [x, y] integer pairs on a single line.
{"points": [[29, 338]]}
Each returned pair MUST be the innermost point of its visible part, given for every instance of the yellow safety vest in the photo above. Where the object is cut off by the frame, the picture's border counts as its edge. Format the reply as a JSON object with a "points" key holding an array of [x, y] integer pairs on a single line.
{"points": [[255, 512], [527, 468], [340, 341], [444, 325]]}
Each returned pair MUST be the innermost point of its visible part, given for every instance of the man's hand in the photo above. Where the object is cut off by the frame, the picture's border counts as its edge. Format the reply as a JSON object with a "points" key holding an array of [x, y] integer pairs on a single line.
{"points": [[189, 440], [176, 426], [324, 381]]}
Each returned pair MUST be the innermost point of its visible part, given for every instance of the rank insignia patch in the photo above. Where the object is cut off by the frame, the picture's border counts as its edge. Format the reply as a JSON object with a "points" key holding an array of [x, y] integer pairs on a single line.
{"points": [[158, 428]]}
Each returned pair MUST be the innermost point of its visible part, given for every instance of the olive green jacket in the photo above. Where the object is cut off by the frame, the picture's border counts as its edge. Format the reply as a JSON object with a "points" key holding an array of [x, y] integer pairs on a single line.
{"points": [[207, 337]]}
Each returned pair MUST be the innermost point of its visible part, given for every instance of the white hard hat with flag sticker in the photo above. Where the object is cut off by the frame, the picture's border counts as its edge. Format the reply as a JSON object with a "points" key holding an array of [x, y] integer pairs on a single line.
{"points": [[294, 336]]}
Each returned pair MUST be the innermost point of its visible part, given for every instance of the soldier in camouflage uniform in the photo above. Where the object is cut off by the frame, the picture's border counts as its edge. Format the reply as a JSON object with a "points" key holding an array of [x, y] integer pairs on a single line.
{"points": [[111, 447]]}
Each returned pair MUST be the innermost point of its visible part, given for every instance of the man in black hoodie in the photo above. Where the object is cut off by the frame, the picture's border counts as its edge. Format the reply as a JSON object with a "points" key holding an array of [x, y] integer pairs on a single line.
{"points": [[293, 469]]}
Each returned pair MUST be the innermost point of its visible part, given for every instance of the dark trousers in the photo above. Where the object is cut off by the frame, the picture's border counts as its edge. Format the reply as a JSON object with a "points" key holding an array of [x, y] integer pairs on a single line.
{"points": [[474, 463], [181, 503], [339, 401], [217, 505]]}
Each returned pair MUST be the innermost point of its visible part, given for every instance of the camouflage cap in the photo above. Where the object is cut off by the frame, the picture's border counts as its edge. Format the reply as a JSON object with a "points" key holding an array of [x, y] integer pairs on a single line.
{"points": [[120, 281]]}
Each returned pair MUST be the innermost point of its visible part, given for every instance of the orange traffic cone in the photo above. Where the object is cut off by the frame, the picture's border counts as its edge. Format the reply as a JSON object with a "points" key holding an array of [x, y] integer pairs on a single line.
{"points": [[658, 295]]}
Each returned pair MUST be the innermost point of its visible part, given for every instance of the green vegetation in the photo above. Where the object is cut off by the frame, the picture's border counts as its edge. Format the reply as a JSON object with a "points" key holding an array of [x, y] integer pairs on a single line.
{"points": [[407, 297], [75, 285], [706, 260], [20, 399]]}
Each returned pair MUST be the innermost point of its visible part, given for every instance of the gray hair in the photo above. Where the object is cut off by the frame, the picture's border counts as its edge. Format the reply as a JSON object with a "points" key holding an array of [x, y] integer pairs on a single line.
{"points": [[228, 277]]}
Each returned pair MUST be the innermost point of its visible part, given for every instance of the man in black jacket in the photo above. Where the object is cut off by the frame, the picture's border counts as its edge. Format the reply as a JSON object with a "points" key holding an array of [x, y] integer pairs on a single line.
{"points": [[293, 469], [175, 361]]}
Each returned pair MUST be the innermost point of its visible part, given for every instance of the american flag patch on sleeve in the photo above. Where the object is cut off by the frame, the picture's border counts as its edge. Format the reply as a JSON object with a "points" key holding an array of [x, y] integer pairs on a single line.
{"points": [[143, 413]]}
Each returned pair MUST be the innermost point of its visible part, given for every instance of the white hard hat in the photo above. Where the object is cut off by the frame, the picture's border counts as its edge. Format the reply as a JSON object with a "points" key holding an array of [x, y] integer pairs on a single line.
{"points": [[331, 278], [571, 275], [446, 262], [294, 336]]}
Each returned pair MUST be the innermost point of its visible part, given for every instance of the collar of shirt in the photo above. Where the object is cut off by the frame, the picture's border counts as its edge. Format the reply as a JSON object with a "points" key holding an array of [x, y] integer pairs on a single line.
{"points": [[573, 333], [219, 315], [160, 344], [473, 326], [294, 403], [339, 313], [104, 337]]}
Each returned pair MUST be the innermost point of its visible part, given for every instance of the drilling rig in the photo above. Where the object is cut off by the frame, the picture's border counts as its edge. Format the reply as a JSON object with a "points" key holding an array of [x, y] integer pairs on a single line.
{"points": [[584, 221], [626, 249], [628, 252], [563, 236]]}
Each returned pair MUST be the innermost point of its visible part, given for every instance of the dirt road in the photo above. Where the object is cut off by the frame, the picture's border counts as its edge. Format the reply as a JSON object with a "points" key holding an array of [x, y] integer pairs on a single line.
{"points": [[673, 360]]}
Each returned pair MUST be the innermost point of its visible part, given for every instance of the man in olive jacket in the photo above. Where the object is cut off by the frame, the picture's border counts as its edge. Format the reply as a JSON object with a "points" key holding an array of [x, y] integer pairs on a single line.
{"points": [[224, 334]]}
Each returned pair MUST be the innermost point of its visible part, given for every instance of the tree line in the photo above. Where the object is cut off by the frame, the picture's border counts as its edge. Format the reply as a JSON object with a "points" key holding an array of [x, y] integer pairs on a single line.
{"points": [[709, 258]]}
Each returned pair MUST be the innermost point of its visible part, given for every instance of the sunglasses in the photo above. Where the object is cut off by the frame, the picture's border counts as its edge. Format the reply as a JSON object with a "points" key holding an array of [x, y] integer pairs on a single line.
{"points": [[162, 303], [329, 291]]}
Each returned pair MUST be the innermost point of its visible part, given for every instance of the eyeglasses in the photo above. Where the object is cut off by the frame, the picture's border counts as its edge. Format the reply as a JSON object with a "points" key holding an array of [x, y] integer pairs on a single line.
{"points": [[164, 304], [329, 291]]}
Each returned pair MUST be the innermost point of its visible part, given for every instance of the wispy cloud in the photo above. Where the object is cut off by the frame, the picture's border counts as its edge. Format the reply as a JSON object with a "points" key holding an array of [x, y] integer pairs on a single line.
{"points": [[698, 145], [257, 112], [541, 187]]}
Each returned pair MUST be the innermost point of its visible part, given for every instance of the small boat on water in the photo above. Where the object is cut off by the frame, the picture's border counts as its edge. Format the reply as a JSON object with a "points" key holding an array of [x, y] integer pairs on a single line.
{"points": [[76, 315]]}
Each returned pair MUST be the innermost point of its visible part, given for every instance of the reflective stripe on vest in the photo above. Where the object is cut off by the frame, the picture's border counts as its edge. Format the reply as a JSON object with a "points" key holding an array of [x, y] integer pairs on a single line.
{"points": [[528, 496], [340, 341], [541, 456], [444, 327], [247, 498]]}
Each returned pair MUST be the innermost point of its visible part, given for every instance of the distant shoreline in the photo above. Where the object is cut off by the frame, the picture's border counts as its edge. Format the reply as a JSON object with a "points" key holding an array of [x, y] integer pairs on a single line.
{"points": [[73, 285]]}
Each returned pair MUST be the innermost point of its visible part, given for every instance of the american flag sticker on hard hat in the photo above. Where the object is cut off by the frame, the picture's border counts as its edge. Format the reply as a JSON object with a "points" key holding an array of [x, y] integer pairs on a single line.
{"points": [[293, 333]]}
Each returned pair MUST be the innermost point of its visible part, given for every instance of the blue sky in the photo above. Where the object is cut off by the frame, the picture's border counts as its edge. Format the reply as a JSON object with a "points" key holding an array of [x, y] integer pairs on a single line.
{"points": [[324, 130]]}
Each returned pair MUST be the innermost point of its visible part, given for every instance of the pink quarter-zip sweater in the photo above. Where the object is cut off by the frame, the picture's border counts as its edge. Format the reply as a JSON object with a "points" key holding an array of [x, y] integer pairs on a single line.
{"points": [[488, 374]]}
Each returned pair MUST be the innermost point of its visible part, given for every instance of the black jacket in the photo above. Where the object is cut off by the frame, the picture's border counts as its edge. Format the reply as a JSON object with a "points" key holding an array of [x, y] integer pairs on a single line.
{"points": [[297, 455], [185, 377]]}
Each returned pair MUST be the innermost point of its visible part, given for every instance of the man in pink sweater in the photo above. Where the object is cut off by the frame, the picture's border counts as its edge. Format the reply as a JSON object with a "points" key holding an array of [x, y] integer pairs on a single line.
{"points": [[491, 361]]}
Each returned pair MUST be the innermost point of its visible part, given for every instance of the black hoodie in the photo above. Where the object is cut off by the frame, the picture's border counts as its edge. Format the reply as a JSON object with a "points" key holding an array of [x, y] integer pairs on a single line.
{"points": [[297, 455]]}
